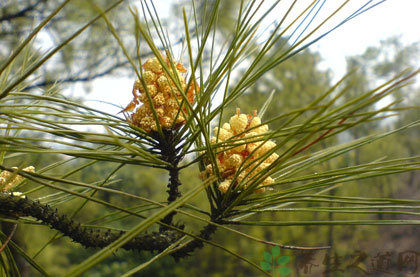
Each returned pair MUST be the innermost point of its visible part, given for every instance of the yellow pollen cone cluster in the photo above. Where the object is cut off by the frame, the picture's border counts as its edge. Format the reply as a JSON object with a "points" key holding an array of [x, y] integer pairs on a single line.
{"points": [[165, 97], [8, 182], [246, 131]]}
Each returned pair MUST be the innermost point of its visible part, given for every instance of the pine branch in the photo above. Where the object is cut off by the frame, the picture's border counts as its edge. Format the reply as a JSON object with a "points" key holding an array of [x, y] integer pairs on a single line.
{"points": [[170, 153], [16, 206]]}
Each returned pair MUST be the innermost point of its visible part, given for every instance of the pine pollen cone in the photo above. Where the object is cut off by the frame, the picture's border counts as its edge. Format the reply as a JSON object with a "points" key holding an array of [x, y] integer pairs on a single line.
{"points": [[157, 89], [245, 145], [8, 181]]}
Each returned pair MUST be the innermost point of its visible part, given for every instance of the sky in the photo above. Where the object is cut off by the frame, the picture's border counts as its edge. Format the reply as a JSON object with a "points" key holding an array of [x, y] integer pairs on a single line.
{"points": [[390, 18]]}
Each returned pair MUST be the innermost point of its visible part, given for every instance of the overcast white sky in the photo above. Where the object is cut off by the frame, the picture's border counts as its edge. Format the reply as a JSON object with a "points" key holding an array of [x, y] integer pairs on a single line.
{"points": [[393, 17]]}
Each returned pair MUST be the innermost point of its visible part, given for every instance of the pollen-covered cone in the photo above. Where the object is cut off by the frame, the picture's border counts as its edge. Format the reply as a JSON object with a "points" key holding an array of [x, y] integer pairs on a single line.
{"points": [[246, 132], [157, 89], [9, 180]]}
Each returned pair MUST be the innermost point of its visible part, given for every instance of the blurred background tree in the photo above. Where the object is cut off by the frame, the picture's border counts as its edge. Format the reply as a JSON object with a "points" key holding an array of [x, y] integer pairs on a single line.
{"points": [[92, 55]]}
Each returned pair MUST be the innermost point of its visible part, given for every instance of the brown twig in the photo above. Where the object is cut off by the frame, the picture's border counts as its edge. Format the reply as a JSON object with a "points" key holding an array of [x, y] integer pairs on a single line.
{"points": [[9, 237]]}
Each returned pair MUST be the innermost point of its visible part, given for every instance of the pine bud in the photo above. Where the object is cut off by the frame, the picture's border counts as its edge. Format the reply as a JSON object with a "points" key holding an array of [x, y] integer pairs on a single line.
{"points": [[247, 132], [165, 96]]}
